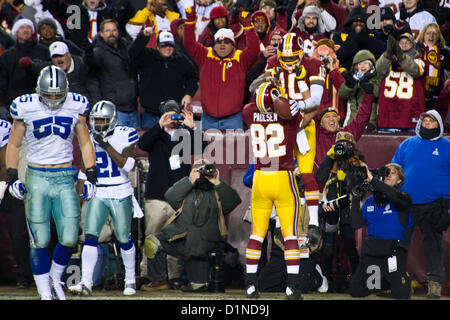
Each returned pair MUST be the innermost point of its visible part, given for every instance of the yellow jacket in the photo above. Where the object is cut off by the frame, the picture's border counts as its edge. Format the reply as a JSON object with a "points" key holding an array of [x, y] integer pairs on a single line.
{"points": [[143, 15]]}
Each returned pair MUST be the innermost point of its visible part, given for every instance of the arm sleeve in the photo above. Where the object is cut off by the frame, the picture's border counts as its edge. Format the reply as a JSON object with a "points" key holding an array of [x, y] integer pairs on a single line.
{"points": [[356, 213], [147, 140], [359, 122]]}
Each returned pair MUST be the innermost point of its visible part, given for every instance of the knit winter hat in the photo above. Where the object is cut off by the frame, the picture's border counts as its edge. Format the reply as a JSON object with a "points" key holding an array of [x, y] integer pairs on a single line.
{"points": [[22, 22], [224, 33], [324, 112]]}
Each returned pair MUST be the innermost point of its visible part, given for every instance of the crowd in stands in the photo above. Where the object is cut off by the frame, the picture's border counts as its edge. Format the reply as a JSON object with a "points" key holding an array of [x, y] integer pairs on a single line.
{"points": [[139, 54]]}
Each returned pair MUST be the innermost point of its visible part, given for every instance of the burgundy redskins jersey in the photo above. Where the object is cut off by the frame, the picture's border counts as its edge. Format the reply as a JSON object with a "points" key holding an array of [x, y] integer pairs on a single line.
{"points": [[313, 73], [273, 139], [401, 99], [308, 39]]}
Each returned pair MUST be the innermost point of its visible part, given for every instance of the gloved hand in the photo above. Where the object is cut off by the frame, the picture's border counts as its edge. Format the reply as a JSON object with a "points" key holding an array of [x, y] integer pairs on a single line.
{"points": [[245, 18], [330, 153], [101, 141], [4, 113], [89, 190], [313, 235], [89, 187], [191, 15], [276, 73], [399, 53], [367, 87], [365, 83], [363, 37], [300, 72], [25, 62], [390, 47], [296, 106], [350, 81], [16, 187]]}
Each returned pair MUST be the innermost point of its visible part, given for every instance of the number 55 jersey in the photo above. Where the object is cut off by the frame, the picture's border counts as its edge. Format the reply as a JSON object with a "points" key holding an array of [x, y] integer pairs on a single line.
{"points": [[49, 134]]}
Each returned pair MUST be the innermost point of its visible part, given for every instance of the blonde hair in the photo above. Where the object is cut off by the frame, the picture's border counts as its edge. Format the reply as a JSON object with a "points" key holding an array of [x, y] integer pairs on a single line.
{"points": [[399, 169], [441, 41]]}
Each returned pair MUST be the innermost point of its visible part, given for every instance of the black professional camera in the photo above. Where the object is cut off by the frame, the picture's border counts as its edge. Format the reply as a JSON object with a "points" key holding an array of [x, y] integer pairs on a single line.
{"points": [[343, 150], [325, 60], [217, 282], [207, 171]]}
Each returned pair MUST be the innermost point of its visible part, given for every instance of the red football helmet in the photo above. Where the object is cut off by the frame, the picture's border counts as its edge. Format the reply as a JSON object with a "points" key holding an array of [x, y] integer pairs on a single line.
{"points": [[266, 93], [290, 51]]}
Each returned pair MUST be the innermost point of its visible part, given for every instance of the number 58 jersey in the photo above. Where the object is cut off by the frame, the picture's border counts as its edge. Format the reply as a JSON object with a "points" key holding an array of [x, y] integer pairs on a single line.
{"points": [[49, 134]]}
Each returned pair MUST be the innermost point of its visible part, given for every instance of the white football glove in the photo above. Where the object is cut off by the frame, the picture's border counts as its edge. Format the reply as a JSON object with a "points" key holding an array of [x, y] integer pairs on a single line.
{"points": [[89, 190], [17, 190], [296, 106]]}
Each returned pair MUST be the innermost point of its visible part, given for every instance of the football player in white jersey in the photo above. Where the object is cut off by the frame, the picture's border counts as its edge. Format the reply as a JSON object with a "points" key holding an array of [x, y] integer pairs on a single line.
{"points": [[48, 120], [115, 151]]}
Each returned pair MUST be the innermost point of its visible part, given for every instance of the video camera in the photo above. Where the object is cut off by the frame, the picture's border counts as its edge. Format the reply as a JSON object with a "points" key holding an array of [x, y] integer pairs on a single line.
{"points": [[360, 173], [343, 150], [207, 171]]}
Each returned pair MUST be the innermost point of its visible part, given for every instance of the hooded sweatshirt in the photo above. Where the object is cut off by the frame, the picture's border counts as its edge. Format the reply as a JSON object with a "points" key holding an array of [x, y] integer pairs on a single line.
{"points": [[426, 164]]}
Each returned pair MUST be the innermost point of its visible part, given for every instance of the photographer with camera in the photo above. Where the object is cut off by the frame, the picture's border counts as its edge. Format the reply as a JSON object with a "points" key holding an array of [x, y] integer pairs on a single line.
{"points": [[338, 171], [164, 170], [195, 229], [386, 213]]}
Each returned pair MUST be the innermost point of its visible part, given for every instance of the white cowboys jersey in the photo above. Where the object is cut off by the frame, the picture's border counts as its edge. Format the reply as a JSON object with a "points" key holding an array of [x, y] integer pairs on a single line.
{"points": [[5, 128], [49, 134], [113, 181]]}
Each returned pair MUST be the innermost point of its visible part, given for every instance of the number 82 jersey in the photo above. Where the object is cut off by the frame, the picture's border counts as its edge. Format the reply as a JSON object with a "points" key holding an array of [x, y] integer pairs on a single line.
{"points": [[49, 134], [273, 139]]}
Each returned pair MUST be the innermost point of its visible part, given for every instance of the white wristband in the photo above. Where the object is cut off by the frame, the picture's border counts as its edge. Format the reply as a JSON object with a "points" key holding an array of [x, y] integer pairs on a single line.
{"points": [[82, 175], [129, 165]]}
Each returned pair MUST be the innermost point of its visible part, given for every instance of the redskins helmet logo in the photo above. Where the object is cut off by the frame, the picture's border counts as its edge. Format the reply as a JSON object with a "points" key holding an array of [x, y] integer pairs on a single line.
{"points": [[266, 93], [290, 51]]}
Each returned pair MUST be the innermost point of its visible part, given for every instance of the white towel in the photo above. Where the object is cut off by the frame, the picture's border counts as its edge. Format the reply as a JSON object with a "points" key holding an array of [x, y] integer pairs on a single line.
{"points": [[137, 211], [302, 142]]}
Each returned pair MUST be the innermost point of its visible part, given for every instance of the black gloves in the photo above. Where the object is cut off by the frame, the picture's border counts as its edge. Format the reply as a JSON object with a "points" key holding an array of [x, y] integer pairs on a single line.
{"points": [[363, 37], [350, 81], [391, 43], [365, 83], [100, 140], [4, 113]]}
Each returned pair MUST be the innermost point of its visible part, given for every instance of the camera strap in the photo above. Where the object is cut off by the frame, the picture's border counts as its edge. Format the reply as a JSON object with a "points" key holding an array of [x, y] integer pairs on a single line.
{"points": [[221, 218], [175, 215]]}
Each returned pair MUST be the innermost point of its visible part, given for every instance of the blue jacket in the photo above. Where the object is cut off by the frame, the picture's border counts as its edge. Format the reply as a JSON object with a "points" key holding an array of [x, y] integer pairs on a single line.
{"points": [[383, 222], [426, 164]]}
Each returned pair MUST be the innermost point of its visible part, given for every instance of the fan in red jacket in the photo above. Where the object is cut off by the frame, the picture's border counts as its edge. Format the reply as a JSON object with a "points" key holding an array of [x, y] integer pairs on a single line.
{"points": [[222, 72]]}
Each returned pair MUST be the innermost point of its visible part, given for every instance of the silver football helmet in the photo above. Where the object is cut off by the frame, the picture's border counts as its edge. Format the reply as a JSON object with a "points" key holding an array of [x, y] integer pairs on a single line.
{"points": [[105, 110], [52, 87]]}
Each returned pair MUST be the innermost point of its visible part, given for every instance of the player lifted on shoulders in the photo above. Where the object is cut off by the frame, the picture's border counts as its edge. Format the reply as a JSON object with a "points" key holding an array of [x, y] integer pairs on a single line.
{"points": [[302, 79], [48, 120], [273, 141], [115, 150]]}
